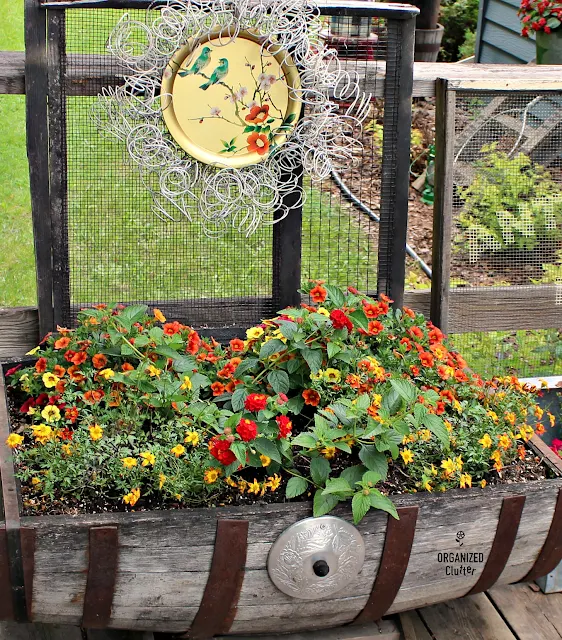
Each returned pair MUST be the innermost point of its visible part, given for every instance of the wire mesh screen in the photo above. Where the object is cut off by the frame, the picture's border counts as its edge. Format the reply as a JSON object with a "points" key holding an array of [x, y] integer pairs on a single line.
{"points": [[118, 250], [506, 263]]}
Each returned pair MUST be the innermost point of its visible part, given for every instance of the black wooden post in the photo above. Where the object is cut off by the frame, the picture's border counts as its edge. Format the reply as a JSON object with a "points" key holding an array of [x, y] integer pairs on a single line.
{"points": [[38, 155], [395, 180]]}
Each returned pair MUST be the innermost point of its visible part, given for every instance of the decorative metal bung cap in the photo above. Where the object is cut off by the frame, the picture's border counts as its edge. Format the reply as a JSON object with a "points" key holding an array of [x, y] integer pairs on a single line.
{"points": [[316, 557]]}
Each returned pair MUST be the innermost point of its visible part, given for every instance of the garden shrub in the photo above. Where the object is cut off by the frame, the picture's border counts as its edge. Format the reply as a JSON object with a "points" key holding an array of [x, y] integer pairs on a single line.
{"points": [[459, 18]]}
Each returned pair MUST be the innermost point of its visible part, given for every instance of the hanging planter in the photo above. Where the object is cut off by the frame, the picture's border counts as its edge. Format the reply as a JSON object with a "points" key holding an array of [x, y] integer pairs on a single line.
{"points": [[549, 47], [544, 19]]}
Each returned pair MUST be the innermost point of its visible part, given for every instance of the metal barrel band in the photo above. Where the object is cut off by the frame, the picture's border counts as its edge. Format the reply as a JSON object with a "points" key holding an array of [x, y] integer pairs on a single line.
{"points": [[103, 556], [551, 553], [394, 562], [502, 546], [222, 591]]}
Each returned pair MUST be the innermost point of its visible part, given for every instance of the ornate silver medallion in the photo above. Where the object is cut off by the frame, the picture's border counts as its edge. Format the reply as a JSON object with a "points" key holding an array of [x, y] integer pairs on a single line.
{"points": [[316, 557]]}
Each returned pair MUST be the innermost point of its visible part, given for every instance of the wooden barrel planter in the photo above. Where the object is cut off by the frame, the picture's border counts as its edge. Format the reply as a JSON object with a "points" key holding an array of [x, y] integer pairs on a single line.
{"points": [[204, 572], [428, 44]]}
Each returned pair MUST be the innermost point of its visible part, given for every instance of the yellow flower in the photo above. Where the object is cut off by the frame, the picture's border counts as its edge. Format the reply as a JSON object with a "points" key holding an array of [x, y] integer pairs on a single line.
{"points": [[254, 487], [433, 470], [425, 435], [457, 405], [50, 413], [510, 417], [407, 456], [33, 351], [106, 373], [254, 333], [459, 462], [409, 438], [483, 483], [50, 380], [211, 475], [177, 496], [465, 481], [132, 497], [496, 456], [129, 463], [96, 432], [67, 449], [242, 486], [328, 452], [265, 461], [539, 412], [318, 375], [186, 384], [427, 486], [551, 418], [485, 441], [274, 482], [376, 400], [504, 441], [178, 450], [448, 425], [230, 482], [493, 415], [192, 438], [526, 432], [159, 315], [161, 480], [148, 458], [323, 312], [153, 371], [35, 481], [14, 440], [332, 375], [449, 466], [42, 433]]}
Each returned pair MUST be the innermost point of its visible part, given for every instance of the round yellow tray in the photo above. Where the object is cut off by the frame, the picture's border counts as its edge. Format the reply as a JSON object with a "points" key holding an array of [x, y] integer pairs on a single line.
{"points": [[229, 102]]}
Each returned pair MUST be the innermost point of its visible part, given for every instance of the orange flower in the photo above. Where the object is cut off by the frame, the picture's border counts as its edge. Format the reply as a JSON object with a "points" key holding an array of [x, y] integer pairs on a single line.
{"points": [[217, 388], [193, 342], [373, 310], [99, 361], [258, 143], [407, 311], [540, 428], [93, 396], [318, 294], [62, 343], [375, 327], [41, 365], [521, 452], [460, 376], [426, 359], [171, 328], [353, 381], [439, 350], [258, 114], [59, 371], [415, 370], [79, 358], [158, 315], [127, 366], [237, 345], [311, 397], [76, 374]]}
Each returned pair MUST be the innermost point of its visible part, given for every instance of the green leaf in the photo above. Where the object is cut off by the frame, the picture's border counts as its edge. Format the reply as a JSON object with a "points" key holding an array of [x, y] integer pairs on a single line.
{"points": [[353, 474], [380, 501], [405, 389], [374, 460], [199, 381], [290, 118], [267, 448], [342, 413], [371, 477], [271, 347], [249, 128], [126, 349], [363, 402], [437, 427], [279, 380], [359, 506], [295, 405], [239, 450], [342, 446], [246, 365], [337, 485], [345, 356], [240, 394], [336, 295], [319, 470], [296, 487], [166, 351], [313, 358], [184, 363], [359, 319], [553, 22], [293, 366], [287, 328], [419, 414], [333, 349], [391, 402], [402, 427], [323, 504], [306, 440]]}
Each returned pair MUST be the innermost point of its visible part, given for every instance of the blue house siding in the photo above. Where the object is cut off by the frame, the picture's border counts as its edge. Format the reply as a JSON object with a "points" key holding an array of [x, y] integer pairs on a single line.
{"points": [[498, 39]]}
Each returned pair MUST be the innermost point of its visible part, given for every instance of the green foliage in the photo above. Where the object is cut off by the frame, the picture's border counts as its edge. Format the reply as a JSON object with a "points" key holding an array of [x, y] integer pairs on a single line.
{"points": [[459, 17], [511, 203]]}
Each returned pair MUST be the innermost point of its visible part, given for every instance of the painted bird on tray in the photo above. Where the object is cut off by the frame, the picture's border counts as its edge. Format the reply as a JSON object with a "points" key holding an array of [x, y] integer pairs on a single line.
{"points": [[218, 74], [201, 62]]}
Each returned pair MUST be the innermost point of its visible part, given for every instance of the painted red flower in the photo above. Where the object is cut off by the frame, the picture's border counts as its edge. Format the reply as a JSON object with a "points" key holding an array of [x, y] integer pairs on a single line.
{"points": [[258, 143], [27, 405], [71, 414], [255, 402], [65, 434], [340, 320], [247, 429], [217, 388], [171, 328], [79, 358], [375, 327], [258, 114]]}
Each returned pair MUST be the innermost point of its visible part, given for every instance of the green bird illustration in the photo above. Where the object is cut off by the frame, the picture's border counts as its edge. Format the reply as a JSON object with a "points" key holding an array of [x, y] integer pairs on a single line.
{"points": [[218, 74], [201, 62]]}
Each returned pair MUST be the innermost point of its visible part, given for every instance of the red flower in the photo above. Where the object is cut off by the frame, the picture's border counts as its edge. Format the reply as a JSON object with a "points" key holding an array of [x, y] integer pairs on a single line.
{"points": [[375, 327], [340, 320], [282, 399], [62, 343], [217, 388], [447, 394], [440, 408], [258, 143], [408, 312], [127, 366], [41, 365], [13, 370], [426, 359], [79, 358], [415, 370], [65, 434], [373, 310], [247, 429], [460, 376], [415, 332], [41, 399], [27, 405], [220, 450], [435, 334], [285, 426], [69, 355], [255, 402], [311, 397], [71, 414], [318, 294], [193, 342], [237, 345], [258, 114], [99, 361], [407, 343], [556, 444], [93, 396], [353, 290], [171, 328]]}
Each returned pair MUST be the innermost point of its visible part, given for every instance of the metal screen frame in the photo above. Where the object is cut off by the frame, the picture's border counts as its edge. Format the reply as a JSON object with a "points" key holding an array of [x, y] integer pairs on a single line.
{"points": [[46, 76]]}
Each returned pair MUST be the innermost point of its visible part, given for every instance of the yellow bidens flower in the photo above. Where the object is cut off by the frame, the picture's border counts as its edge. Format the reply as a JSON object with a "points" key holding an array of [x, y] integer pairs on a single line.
{"points": [[254, 487], [96, 432], [449, 467], [328, 452], [192, 438], [497, 458], [274, 482], [42, 433], [211, 475], [33, 351], [67, 449], [159, 315], [483, 483], [129, 463], [35, 482], [186, 384], [230, 482], [332, 375], [459, 463], [407, 456], [265, 460], [132, 497], [161, 480], [153, 371], [50, 380], [148, 458], [485, 441], [14, 440], [427, 486], [504, 441], [465, 481], [50, 413], [425, 434], [254, 333], [178, 450], [106, 373]]}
